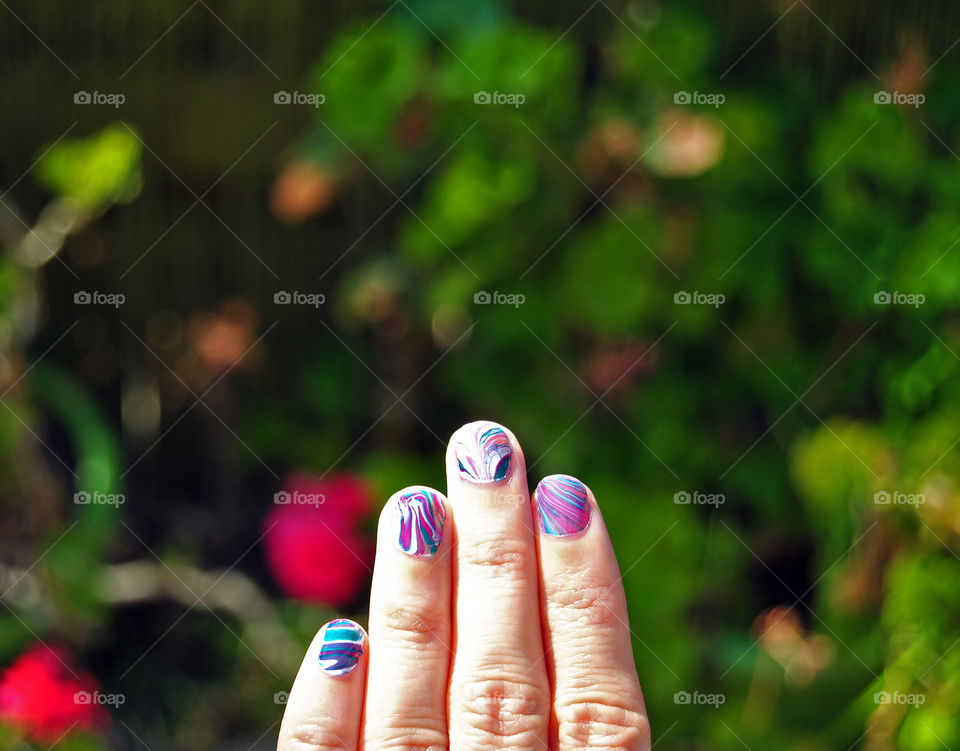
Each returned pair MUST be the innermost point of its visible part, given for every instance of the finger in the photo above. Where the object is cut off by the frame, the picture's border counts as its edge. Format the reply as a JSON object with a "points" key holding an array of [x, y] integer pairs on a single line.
{"points": [[406, 701], [326, 702], [499, 696], [597, 700]]}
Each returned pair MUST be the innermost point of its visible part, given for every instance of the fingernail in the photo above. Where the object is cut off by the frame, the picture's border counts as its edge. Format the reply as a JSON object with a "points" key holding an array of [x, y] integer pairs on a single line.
{"points": [[484, 452], [420, 517], [562, 505], [342, 646]]}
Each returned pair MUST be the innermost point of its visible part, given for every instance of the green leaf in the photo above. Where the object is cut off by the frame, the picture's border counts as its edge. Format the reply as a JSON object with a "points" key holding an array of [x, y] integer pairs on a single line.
{"points": [[96, 171]]}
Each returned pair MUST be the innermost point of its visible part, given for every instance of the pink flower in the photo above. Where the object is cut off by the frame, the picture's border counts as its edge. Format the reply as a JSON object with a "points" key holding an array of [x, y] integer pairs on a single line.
{"points": [[40, 696], [312, 541]]}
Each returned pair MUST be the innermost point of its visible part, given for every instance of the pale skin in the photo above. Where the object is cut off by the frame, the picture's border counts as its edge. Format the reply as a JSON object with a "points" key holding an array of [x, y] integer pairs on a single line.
{"points": [[506, 637]]}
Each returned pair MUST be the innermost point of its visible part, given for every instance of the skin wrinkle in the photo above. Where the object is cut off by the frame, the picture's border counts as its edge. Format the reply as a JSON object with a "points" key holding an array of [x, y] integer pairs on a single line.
{"points": [[410, 626], [512, 558], [497, 666], [605, 724], [593, 607], [576, 588], [509, 709], [314, 736], [410, 731]]}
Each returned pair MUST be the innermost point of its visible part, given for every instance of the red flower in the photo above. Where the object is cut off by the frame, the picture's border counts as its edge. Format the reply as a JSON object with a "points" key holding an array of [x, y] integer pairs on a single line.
{"points": [[312, 543], [41, 696]]}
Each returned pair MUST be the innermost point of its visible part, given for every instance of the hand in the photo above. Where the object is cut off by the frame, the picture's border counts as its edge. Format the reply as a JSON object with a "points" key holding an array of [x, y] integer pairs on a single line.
{"points": [[488, 629]]}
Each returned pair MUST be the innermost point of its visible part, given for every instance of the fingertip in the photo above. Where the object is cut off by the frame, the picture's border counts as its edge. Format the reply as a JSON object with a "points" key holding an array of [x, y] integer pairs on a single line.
{"points": [[564, 506], [341, 647], [414, 519], [483, 452]]}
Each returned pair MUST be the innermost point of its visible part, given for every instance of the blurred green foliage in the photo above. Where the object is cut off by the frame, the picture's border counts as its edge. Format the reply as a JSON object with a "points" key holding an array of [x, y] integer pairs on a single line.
{"points": [[97, 171]]}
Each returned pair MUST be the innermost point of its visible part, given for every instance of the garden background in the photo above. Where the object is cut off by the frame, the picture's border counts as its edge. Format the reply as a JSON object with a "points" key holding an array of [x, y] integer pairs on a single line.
{"points": [[700, 254]]}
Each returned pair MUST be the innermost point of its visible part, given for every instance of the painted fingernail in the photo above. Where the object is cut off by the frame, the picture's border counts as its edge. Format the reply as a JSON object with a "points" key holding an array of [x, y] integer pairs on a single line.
{"points": [[562, 505], [420, 517], [484, 452], [342, 646]]}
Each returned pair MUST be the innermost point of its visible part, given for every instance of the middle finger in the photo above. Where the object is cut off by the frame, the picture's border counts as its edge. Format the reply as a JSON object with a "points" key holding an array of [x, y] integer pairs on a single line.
{"points": [[499, 695]]}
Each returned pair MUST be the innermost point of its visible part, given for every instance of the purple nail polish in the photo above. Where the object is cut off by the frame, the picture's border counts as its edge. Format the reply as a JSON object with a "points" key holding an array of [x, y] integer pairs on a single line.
{"points": [[342, 646], [562, 506], [420, 518], [484, 452]]}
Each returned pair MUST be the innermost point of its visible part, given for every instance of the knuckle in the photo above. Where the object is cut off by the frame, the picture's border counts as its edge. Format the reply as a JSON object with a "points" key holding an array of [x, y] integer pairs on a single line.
{"points": [[594, 605], [408, 737], [506, 555], [601, 724], [313, 736], [415, 625], [512, 711]]}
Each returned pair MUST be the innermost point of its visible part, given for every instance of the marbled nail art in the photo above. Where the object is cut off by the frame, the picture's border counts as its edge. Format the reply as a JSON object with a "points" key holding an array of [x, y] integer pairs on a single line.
{"points": [[562, 505], [484, 453], [420, 514], [342, 646]]}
